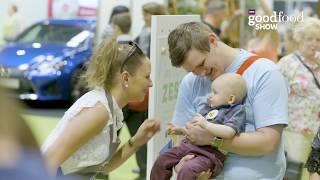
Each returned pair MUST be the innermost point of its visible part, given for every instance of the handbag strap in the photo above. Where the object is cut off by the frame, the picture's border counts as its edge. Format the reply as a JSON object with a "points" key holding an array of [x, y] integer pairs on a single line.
{"points": [[110, 101], [309, 69]]}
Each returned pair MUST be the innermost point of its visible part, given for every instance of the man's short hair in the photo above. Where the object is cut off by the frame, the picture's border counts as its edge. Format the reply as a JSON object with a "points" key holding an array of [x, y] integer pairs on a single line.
{"points": [[215, 5], [192, 35], [123, 21], [118, 10], [154, 8]]}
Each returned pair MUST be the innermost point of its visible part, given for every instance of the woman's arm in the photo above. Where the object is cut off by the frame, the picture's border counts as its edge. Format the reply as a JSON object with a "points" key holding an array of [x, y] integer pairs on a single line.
{"points": [[145, 132], [88, 123], [122, 154]]}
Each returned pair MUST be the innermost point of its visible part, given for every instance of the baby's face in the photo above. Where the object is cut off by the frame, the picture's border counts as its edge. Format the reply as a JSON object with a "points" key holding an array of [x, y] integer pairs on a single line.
{"points": [[218, 95]]}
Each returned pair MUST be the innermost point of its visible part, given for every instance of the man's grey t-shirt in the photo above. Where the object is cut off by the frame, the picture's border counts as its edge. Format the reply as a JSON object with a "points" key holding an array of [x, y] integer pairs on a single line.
{"points": [[266, 105]]}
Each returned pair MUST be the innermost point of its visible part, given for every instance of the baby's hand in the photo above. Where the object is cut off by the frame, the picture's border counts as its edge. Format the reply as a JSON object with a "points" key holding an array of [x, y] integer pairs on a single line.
{"points": [[170, 127], [173, 130], [199, 120]]}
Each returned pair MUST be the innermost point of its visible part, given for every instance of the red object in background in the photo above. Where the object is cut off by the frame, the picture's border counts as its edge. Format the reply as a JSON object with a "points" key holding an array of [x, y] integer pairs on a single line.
{"points": [[140, 105], [50, 8], [87, 11], [71, 8]]}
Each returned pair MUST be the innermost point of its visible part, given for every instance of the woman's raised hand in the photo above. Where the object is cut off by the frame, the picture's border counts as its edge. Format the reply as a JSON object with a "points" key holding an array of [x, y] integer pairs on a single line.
{"points": [[146, 131]]}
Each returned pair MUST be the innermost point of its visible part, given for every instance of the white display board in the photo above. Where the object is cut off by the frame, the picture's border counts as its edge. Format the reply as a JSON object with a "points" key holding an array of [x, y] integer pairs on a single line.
{"points": [[166, 79]]}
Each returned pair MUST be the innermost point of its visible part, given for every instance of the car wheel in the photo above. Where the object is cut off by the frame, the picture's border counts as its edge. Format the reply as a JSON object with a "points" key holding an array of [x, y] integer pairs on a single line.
{"points": [[78, 85]]}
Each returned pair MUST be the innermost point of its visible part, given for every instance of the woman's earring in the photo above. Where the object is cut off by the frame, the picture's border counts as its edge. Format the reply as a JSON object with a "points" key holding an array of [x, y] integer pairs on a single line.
{"points": [[126, 85]]}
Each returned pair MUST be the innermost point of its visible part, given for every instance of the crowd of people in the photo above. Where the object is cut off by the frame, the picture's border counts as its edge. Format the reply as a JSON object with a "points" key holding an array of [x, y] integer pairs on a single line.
{"points": [[240, 113]]}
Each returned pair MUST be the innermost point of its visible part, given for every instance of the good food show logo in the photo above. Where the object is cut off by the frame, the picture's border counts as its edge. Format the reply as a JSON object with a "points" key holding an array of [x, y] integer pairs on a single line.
{"points": [[265, 22]]}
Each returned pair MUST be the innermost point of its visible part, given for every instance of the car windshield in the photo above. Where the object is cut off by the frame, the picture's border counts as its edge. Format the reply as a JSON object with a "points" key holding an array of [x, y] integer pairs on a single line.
{"points": [[49, 33]]}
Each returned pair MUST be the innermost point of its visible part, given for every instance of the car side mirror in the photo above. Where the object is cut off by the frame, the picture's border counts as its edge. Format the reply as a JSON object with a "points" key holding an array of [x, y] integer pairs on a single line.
{"points": [[9, 40]]}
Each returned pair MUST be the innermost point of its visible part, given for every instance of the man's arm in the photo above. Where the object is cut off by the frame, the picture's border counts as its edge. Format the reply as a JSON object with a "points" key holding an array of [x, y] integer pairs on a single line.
{"points": [[261, 142]]}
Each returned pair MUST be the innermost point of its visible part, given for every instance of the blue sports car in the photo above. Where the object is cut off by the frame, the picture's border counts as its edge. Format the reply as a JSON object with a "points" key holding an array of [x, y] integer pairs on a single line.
{"points": [[46, 60]]}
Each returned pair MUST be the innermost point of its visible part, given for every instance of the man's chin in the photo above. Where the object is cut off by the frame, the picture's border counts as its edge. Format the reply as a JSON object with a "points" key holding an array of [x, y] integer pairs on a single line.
{"points": [[212, 78]]}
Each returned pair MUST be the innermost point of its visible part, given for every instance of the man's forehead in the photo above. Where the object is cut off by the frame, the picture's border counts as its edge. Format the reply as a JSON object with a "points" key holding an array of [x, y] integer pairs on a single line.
{"points": [[194, 55]]}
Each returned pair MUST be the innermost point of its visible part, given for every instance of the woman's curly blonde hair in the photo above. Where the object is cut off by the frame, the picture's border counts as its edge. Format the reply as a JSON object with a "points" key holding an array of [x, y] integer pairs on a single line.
{"points": [[309, 26]]}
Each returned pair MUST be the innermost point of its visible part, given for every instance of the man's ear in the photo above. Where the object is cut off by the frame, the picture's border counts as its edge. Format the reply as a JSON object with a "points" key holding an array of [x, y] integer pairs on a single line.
{"points": [[232, 99], [213, 38]]}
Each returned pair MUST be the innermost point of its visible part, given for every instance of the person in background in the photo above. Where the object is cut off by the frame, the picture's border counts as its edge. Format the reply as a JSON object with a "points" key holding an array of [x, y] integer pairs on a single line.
{"points": [[223, 116], [215, 15], [318, 9], [289, 45], [121, 25], [266, 42], [85, 140], [258, 152], [313, 162], [301, 70], [20, 156], [230, 33], [144, 38], [116, 10], [13, 24]]}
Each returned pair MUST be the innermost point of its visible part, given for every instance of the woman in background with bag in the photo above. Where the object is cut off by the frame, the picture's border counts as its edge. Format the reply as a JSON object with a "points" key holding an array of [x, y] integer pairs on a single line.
{"points": [[313, 162], [301, 69], [85, 140]]}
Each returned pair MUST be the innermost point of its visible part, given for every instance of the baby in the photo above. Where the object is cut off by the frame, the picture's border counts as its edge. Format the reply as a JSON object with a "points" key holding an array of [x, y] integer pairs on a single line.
{"points": [[223, 117]]}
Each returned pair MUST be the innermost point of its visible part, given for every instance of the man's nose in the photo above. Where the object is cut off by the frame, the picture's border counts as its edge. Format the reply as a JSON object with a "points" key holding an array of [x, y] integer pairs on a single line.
{"points": [[200, 72]]}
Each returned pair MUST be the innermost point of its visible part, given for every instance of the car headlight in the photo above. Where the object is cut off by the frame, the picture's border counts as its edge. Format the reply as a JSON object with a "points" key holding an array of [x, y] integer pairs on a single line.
{"points": [[50, 66]]}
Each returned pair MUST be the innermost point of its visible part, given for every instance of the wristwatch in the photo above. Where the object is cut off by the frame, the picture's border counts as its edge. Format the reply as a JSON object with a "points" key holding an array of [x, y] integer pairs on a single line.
{"points": [[217, 142]]}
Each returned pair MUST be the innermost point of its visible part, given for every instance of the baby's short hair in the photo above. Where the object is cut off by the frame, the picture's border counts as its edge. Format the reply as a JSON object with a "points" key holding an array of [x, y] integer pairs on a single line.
{"points": [[233, 84]]}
